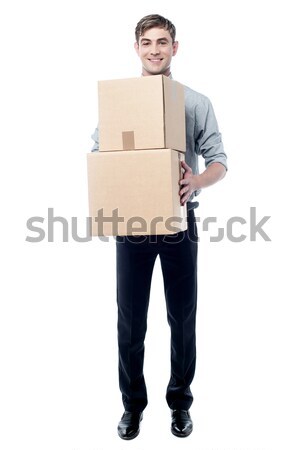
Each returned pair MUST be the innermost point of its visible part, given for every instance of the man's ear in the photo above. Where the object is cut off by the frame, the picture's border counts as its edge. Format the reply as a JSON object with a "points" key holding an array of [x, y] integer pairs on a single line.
{"points": [[175, 47], [136, 46]]}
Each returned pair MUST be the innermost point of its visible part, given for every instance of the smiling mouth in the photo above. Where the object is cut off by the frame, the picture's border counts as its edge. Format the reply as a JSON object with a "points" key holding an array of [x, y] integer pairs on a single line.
{"points": [[155, 59]]}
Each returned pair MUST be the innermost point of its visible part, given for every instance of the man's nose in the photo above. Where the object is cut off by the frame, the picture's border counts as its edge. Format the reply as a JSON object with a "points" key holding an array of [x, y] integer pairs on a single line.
{"points": [[155, 50]]}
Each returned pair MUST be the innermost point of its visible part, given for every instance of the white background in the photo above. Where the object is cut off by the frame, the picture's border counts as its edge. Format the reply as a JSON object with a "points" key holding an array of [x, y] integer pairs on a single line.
{"points": [[59, 386]]}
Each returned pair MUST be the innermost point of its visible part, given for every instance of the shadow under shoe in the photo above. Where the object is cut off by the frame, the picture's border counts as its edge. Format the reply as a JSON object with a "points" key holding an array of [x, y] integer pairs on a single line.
{"points": [[129, 425], [181, 423]]}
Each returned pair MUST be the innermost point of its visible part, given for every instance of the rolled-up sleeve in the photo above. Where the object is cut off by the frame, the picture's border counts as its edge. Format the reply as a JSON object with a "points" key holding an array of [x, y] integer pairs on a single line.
{"points": [[209, 141]]}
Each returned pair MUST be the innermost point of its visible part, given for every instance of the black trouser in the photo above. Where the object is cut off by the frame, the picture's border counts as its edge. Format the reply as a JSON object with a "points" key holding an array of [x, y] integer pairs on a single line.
{"points": [[135, 262]]}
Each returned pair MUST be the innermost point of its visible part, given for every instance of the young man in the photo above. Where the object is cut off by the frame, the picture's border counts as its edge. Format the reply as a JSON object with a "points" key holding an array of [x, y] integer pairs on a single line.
{"points": [[156, 45]]}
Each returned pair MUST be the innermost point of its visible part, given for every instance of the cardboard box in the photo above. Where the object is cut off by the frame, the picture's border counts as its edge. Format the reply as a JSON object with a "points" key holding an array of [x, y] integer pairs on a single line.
{"points": [[135, 193], [142, 113]]}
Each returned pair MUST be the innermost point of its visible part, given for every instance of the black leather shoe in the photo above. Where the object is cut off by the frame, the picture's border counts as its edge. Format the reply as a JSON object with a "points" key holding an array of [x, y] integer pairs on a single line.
{"points": [[128, 427], [181, 423]]}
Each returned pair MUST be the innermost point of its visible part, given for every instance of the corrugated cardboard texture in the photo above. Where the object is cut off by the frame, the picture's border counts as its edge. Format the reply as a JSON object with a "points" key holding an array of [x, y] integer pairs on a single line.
{"points": [[152, 108], [141, 184]]}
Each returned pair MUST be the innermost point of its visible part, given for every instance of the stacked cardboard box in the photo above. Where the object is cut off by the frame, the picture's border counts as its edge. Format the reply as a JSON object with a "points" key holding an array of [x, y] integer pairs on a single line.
{"points": [[133, 181]]}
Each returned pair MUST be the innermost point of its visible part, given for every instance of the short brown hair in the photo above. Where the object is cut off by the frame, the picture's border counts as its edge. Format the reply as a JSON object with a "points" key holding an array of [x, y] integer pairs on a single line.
{"points": [[153, 21]]}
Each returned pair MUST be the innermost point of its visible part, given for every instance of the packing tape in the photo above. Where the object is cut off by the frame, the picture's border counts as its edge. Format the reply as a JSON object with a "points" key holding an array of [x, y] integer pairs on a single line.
{"points": [[128, 139]]}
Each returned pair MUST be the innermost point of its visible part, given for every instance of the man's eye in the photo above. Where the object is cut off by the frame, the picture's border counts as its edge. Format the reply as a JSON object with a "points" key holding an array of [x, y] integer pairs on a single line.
{"points": [[144, 44], [163, 42]]}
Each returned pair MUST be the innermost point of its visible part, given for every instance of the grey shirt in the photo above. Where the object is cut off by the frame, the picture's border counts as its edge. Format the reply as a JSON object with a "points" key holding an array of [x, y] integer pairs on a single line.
{"points": [[202, 135]]}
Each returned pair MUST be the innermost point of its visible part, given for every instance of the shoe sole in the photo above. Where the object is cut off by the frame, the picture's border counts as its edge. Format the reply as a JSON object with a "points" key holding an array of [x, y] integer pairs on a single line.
{"points": [[181, 435], [130, 437]]}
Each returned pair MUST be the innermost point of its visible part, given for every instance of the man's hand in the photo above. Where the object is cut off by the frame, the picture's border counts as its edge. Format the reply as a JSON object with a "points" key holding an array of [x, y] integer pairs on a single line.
{"points": [[188, 183]]}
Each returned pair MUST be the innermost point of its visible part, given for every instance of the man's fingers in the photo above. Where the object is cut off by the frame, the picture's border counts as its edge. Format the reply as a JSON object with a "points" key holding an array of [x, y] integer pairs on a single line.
{"points": [[186, 167], [185, 184], [184, 199], [184, 195], [184, 181], [184, 190]]}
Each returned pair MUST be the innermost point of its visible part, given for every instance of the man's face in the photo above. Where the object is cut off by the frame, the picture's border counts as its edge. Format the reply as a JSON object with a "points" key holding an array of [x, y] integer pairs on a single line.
{"points": [[155, 50]]}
